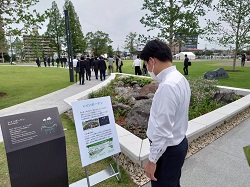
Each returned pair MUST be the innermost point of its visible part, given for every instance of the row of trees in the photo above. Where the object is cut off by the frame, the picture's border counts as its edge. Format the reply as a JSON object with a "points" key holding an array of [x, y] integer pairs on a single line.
{"points": [[99, 42], [173, 17], [170, 17]]}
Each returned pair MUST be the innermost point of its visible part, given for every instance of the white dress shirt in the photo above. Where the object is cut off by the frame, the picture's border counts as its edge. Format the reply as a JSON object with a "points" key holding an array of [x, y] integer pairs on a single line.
{"points": [[168, 120], [137, 62], [75, 62]]}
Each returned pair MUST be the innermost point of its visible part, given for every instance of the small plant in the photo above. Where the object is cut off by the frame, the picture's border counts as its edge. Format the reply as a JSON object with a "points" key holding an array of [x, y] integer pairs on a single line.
{"points": [[140, 81]]}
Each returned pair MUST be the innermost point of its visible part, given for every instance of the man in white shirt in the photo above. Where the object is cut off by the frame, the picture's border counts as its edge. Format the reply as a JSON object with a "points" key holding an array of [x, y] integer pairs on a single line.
{"points": [[110, 66], [137, 65], [168, 119]]}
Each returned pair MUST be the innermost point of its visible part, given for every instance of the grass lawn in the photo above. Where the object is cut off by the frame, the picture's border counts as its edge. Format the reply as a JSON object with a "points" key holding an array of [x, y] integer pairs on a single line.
{"points": [[198, 68], [75, 170], [23, 83]]}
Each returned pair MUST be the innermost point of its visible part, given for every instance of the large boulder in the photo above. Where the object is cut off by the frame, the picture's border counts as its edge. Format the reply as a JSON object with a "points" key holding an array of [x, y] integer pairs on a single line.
{"points": [[150, 88], [225, 97], [139, 113]]}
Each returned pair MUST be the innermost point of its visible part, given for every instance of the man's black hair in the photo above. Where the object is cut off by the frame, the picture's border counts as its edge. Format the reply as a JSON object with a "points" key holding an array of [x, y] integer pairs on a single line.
{"points": [[157, 49], [82, 58], [186, 55]]}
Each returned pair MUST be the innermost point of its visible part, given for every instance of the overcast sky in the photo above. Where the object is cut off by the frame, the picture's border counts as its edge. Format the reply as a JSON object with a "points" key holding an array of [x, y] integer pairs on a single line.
{"points": [[115, 17]]}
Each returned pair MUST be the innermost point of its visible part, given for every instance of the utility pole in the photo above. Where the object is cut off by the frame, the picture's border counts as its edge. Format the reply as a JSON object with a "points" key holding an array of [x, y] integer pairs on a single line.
{"points": [[69, 45]]}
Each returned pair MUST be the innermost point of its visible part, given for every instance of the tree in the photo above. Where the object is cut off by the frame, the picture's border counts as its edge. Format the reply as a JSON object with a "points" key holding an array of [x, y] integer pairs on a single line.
{"points": [[174, 17], [130, 42], [18, 48], [16, 12], [78, 41], [98, 42], [232, 26], [110, 50], [55, 28]]}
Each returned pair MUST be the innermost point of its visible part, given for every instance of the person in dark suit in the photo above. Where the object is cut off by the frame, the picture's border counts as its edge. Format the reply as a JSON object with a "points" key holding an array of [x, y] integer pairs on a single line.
{"points": [[185, 69], [88, 66], [45, 61], [38, 62], [57, 62], [61, 60], [102, 68], [52, 60], [82, 65], [49, 61], [96, 66]]}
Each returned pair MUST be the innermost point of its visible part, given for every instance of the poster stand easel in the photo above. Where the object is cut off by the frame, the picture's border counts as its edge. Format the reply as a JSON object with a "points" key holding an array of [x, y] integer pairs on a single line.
{"points": [[97, 137], [99, 177]]}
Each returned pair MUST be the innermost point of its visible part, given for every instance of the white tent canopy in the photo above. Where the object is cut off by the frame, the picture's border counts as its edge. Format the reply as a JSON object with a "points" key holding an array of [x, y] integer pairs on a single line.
{"points": [[181, 55]]}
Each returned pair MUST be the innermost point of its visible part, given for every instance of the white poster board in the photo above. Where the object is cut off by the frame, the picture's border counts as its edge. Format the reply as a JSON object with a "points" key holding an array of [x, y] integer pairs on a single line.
{"points": [[96, 130]]}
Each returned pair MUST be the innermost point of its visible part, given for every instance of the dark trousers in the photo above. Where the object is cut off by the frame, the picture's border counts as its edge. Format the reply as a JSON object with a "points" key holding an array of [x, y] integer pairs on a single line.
{"points": [[120, 69], [81, 78], [185, 69], [102, 74], [88, 74], [168, 169], [45, 64], [242, 63], [96, 73], [137, 70]]}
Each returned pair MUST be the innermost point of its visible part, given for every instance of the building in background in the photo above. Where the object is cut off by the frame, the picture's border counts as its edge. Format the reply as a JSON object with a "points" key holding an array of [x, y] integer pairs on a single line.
{"points": [[37, 46]]}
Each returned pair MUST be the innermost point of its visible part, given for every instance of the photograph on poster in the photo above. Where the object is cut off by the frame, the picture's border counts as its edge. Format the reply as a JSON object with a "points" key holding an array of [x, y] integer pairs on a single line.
{"points": [[93, 123], [104, 120]]}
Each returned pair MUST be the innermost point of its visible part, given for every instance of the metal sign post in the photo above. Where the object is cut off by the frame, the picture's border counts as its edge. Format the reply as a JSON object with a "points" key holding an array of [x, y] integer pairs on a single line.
{"points": [[98, 177], [69, 45]]}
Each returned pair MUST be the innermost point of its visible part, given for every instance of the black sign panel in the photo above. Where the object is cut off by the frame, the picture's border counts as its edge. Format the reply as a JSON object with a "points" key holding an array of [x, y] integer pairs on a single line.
{"points": [[36, 149], [216, 74], [28, 129]]}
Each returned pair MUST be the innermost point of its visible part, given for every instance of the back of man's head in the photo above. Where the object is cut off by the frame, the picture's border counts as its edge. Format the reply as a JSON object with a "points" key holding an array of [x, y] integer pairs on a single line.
{"points": [[157, 49], [82, 58]]}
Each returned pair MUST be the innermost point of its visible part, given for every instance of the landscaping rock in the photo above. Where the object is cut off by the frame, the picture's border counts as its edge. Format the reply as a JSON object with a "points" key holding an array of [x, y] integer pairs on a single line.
{"points": [[226, 97], [140, 97], [120, 106], [150, 88], [133, 83], [120, 84], [139, 114]]}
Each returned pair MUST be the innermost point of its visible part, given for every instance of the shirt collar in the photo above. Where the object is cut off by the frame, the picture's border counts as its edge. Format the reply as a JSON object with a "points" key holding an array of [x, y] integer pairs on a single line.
{"points": [[161, 76]]}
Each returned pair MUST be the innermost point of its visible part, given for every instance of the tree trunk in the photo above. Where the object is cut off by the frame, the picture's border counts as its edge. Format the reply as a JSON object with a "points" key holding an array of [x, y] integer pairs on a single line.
{"points": [[237, 39], [2, 57], [171, 26]]}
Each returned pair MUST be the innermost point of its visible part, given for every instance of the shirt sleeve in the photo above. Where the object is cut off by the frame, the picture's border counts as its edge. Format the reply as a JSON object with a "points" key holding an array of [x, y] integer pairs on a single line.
{"points": [[165, 107]]}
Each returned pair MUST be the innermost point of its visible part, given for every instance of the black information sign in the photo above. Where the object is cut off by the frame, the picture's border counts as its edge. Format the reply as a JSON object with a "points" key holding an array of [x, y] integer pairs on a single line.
{"points": [[219, 73], [35, 148]]}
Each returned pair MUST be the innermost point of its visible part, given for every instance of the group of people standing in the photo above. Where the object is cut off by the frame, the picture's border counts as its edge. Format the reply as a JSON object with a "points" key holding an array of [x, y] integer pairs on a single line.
{"points": [[84, 66], [51, 61]]}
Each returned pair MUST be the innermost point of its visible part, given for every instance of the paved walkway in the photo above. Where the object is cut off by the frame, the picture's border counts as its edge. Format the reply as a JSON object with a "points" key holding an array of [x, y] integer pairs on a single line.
{"points": [[222, 163], [55, 99]]}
